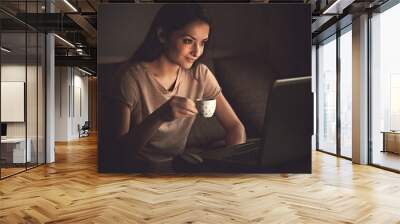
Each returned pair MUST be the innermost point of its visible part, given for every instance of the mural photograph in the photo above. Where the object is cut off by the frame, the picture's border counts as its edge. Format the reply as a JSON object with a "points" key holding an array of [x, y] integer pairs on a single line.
{"points": [[203, 88]]}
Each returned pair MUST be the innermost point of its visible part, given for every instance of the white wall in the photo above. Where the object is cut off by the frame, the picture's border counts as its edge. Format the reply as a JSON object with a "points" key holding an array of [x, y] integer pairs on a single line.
{"points": [[79, 110], [12, 73], [62, 81], [70, 94]]}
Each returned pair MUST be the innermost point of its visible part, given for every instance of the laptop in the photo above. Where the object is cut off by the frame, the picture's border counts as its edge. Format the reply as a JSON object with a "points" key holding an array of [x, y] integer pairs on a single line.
{"points": [[285, 143]]}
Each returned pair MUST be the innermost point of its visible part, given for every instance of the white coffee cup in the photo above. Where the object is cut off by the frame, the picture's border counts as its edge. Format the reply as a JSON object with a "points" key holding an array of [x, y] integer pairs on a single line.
{"points": [[206, 108]]}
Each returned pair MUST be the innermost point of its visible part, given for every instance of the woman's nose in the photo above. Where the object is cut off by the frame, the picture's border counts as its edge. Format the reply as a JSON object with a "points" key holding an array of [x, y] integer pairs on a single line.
{"points": [[196, 50]]}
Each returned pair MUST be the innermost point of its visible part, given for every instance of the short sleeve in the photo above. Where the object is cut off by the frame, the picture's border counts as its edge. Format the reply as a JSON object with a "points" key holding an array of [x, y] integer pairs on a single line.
{"points": [[126, 89], [211, 86]]}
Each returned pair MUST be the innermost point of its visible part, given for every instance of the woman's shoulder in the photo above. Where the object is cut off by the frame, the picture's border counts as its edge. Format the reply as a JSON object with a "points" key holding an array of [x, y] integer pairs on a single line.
{"points": [[200, 68], [128, 74], [200, 71], [131, 69]]}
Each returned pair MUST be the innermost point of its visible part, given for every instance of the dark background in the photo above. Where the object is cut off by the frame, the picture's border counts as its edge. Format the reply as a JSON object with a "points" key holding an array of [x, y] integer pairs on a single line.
{"points": [[278, 31]]}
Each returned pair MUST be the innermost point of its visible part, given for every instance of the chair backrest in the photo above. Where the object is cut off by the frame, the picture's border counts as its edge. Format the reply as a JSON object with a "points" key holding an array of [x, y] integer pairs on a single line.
{"points": [[86, 125]]}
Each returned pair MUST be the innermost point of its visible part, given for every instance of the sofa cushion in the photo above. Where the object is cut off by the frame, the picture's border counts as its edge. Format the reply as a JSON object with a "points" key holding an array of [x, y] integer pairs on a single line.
{"points": [[246, 82]]}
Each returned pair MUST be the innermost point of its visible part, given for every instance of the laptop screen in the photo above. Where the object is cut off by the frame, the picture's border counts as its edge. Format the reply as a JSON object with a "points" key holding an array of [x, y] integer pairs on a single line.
{"points": [[288, 126]]}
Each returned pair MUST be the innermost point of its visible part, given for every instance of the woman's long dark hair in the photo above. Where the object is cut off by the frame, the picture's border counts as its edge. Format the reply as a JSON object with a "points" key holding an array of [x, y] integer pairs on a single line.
{"points": [[170, 18]]}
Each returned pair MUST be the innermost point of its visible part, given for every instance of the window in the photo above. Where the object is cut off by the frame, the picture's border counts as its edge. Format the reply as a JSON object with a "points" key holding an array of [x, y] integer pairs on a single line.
{"points": [[346, 93], [22, 65], [385, 86], [327, 95], [334, 62]]}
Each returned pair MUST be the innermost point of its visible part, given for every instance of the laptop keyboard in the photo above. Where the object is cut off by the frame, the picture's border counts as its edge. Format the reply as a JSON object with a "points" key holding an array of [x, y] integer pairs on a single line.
{"points": [[231, 151]]}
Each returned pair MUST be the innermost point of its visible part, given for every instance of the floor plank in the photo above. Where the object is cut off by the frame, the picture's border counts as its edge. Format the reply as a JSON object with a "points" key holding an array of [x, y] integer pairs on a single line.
{"points": [[71, 191]]}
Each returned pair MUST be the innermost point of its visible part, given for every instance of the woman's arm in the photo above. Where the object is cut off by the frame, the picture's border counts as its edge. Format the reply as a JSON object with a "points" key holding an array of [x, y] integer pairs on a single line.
{"points": [[132, 142], [235, 131], [176, 107]]}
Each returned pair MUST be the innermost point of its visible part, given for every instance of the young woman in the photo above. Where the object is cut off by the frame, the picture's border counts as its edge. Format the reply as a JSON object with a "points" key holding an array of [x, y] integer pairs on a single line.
{"points": [[157, 90]]}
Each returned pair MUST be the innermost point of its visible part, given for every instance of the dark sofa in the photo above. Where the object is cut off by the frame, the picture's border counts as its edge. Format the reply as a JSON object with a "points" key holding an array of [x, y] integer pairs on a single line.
{"points": [[246, 82]]}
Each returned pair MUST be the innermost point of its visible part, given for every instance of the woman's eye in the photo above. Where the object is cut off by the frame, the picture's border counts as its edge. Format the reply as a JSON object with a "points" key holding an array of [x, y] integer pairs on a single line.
{"points": [[187, 41]]}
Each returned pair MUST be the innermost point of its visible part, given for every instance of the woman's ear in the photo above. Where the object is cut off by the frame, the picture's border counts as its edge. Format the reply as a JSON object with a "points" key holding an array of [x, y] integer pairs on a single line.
{"points": [[161, 36]]}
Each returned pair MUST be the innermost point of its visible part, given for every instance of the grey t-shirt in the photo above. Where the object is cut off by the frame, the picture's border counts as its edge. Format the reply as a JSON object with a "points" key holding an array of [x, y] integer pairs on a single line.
{"points": [[139, 90]]}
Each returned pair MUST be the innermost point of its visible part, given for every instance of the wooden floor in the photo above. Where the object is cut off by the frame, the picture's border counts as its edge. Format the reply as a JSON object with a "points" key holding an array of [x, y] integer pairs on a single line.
{"points": [[71, 191], [8, 171], [5, 172], [386, 159]]}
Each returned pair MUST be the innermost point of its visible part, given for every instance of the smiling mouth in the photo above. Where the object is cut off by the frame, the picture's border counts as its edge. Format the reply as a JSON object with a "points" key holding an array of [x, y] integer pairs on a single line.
{"points": [[191, 59]]}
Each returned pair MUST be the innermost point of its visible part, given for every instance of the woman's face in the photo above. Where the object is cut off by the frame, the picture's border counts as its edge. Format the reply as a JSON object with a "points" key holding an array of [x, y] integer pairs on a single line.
{"points": [[185, 46]]}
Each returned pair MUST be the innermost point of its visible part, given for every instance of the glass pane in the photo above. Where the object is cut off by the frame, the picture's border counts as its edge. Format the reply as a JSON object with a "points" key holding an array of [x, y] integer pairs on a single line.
{"points": [[346, 94], [22, 63], [385, 82], [41, 98], [31, 100], [327, 96], [14, 153]]}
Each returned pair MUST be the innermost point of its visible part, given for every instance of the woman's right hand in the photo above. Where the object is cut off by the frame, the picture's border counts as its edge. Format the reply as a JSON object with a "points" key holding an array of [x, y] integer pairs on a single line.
{"points": [[177, 107]]}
